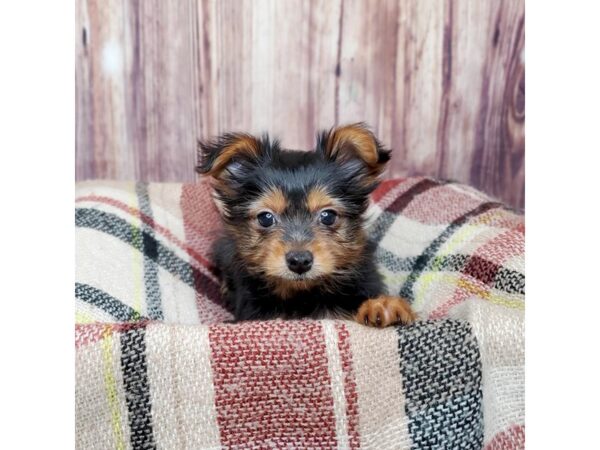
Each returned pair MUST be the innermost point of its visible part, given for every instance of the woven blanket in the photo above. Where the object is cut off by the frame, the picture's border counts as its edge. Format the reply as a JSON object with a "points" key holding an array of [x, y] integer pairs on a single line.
{"points": [[156, 367]]}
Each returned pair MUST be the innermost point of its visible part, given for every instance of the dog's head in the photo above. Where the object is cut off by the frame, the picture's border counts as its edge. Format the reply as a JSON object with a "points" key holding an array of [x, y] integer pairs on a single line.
{"points": [[297, 217]]}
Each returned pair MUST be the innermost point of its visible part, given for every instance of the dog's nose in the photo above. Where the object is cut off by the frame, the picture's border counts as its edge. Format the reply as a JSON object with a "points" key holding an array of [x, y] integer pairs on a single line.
{"points": [[299, 261]]}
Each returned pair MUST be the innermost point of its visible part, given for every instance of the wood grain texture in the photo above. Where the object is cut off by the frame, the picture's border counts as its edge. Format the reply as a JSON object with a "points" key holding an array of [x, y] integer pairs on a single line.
{"points": [[440, 82]]}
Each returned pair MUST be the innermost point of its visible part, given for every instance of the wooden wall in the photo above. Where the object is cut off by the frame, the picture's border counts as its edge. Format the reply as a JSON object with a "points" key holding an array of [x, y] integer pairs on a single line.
{"points": [[441, 82]]}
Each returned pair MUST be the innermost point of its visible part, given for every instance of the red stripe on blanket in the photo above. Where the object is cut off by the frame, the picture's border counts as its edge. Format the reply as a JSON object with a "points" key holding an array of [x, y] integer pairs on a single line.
{"points": [[201, 225], [349, 385], [90, 333], [507, 245], [440, 206], [510, 439], [459, 295], [481, 269], [520, 228], [385, 187], [272, 387], [200, 217]]}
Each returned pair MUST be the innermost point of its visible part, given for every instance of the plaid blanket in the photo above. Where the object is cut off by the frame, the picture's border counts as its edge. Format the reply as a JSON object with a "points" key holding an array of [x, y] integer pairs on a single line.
{"points": [[156, 367]]}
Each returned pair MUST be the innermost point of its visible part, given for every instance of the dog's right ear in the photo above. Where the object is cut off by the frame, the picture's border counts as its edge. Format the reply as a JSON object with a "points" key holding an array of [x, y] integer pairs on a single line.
{"points": [[355, 143], [227, 152]]}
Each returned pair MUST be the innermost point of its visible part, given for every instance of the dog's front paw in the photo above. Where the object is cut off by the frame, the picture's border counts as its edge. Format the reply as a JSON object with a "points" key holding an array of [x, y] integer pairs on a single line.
{"points": [[384, 311]]}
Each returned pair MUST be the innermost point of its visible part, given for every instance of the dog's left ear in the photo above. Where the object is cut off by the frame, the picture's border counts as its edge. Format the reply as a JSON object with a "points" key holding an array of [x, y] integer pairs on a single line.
{"points": [[354, 142], [230, 151]]}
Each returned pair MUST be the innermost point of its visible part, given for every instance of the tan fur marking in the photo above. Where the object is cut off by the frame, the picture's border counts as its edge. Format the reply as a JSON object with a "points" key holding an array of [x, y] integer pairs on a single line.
{"points": [[273, 200], [318, 199], [224, 289], [384, 311], [359, 138], [272, 259], [244, 143], [324, 258]]}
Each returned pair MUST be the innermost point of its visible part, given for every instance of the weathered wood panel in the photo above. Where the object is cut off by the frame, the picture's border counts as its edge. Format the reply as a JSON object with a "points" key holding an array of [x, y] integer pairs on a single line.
{"points": [[441, 82]]}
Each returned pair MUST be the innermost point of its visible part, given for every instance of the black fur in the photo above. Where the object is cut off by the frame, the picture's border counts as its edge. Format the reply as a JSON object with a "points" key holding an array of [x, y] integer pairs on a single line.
{"points": [[248, 293]]}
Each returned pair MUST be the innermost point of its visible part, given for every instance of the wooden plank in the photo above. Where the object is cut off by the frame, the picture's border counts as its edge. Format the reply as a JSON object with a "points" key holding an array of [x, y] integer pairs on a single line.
{"points": [[367, 82], [276, 67], [442, 83], [420, 75], [102, 146], [160, 89]]}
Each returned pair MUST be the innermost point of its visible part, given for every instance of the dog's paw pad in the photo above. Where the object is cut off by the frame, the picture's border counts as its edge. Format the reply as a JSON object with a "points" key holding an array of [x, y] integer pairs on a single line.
{"points": [[384, 311]]}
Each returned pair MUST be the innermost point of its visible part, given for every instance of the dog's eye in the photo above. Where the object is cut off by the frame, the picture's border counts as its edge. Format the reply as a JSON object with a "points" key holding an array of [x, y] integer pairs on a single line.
{"points": [[266, 219], [328, 217]]}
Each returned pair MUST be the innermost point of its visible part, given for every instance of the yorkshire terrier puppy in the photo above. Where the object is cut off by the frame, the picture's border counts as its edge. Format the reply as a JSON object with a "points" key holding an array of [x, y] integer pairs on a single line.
{"points": [[294, 243]]}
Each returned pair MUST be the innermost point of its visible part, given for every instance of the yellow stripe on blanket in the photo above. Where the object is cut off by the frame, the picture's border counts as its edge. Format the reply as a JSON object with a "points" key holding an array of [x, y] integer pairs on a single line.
{"points": [[82, 317], [110, 385], [464, 234], [472, 288]]}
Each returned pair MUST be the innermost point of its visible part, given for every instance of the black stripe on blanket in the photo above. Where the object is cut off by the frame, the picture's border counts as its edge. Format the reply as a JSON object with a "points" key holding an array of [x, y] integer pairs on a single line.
{"points": [[165, 258], [423, 259], [150, 256], [441, 371], [137, 389], [107, 303], [383, 223]]}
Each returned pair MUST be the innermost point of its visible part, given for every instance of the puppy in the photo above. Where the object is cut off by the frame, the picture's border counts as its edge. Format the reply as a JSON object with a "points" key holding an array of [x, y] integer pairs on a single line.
{"points": [[294, 243]]}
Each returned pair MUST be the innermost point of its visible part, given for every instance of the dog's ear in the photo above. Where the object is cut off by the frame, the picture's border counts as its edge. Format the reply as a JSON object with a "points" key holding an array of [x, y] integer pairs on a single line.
{"points": [[354, 142], [230, 151]]}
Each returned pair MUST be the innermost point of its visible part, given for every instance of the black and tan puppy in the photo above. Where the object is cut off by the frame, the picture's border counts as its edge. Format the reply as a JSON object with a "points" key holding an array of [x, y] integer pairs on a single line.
{"points": [[294, 243]]}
